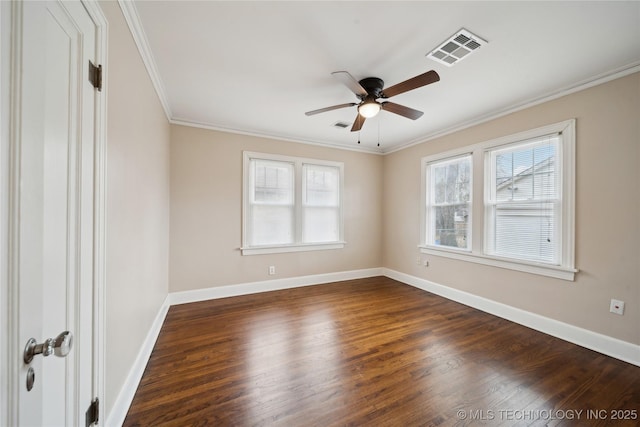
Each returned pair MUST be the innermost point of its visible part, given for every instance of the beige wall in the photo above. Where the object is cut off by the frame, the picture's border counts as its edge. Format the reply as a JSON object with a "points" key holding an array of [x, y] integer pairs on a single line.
{"points": [[607, 212], [137, 203], [206, 212], [175, 225]]}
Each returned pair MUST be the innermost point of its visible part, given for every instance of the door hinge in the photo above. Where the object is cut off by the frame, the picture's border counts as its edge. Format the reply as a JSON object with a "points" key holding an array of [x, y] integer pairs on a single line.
{"points": [[93, 413], [95, 75]]}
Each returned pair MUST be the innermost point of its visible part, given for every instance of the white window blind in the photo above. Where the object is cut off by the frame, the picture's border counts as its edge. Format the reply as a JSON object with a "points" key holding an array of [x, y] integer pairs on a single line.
{"points": [[523, 207], [321, 203], [271, 202], [524, 210], [291, 204], [449, 203]]}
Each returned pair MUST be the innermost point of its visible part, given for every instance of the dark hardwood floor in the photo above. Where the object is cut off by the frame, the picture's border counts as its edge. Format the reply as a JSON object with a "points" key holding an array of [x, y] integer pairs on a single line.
{"points": [[371, 352]]}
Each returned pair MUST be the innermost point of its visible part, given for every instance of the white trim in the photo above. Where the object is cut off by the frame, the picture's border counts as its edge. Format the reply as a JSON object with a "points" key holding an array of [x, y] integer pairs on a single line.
{"points": [[12, 127], [478, 253], [118, 412], [100, 206], [121, 405], [613, 347], [261, 250], [277, 137], [133, 21], [140, 38], [509, 264], [269, 285], [297, 165], [550, 96], [604, 344], [590, 82], [7, 398], [427, 220], [11, 53]]}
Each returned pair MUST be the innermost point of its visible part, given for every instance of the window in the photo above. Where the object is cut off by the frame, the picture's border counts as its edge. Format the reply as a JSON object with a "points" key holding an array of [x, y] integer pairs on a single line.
{"points": [[523, 206], [271, 202], [291, 204], [449, 203], [522, 217], [320, 203]]}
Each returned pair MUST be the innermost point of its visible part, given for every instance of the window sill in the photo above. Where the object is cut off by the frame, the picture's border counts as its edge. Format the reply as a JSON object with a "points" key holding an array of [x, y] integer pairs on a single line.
{"points": [[557, 272], [260, 250]]}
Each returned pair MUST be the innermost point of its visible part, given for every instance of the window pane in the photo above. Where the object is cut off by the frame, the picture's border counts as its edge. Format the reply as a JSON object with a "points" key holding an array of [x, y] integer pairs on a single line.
{"points": [[321, 199], [321, 185], [451, 181], [522, 222], [449, 197], [526, 232], [271, 225], [272, 182], [526, 173], [287, 201], [321, 225], [451, 226]]}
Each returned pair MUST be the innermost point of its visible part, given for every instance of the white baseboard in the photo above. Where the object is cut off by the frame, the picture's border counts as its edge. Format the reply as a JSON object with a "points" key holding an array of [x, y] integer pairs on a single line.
{"points": [[613, 347], [121, 406], [604, 344], [269, 285]]}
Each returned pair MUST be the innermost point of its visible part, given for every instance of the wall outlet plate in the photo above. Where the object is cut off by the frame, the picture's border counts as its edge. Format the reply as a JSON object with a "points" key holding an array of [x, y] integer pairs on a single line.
{"points": [[617, 307]]}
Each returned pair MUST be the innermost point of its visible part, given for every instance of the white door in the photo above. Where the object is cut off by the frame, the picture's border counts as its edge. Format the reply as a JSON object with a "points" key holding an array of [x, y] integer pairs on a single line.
{"points": [[54, 210]]}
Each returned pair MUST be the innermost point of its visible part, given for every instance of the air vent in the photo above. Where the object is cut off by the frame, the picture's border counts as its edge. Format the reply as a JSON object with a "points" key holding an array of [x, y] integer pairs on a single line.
{"points": [[341, 125], [456, 48]]}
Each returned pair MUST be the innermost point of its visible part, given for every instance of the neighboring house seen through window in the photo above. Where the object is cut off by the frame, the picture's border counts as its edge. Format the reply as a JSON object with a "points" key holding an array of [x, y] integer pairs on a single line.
{"points": [[449, 202], [524, 210]]}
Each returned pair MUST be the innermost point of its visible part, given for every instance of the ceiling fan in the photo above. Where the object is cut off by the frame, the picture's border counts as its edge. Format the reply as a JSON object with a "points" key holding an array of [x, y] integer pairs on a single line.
{"points": [[370, 89]]}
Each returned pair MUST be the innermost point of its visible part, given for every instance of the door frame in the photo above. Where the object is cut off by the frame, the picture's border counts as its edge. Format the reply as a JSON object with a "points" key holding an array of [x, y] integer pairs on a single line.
{"points": [[10, 102]]}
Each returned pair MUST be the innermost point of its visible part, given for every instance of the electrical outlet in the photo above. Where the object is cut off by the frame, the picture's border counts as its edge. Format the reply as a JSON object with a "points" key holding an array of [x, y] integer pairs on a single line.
{"points": [[418, 260], [272, 270], [617, 307]]}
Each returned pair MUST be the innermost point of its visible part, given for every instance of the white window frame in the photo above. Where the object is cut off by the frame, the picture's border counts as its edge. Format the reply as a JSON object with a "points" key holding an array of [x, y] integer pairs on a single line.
{"points": [[491, 202], [566, 158], [298, 245], [428, 224]]}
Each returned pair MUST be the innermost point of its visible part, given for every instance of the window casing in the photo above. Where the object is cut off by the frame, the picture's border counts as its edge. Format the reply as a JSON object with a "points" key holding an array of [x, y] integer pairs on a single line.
{"points": [[522, 205], [523, 208], [449, 197], [291, 204], [271, 202]]}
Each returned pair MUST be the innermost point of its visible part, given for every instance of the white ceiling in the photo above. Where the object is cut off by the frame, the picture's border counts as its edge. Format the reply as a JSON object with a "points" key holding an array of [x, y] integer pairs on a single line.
{"points": [[256, 67]]}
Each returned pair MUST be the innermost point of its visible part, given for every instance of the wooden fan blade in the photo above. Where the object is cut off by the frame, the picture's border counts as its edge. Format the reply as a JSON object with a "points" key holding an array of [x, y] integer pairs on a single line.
{"points": [[357, 124], [413, 83], [401, 110], [335, 107], [348, 80]]}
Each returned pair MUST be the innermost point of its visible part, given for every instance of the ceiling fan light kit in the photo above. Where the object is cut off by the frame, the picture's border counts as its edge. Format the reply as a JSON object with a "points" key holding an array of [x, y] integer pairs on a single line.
{"points": [[369, 108], [370, 89]]}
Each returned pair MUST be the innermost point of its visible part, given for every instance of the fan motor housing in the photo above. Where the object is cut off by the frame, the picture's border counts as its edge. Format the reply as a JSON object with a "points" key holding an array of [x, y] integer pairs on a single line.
{"points": [[373, 86]]}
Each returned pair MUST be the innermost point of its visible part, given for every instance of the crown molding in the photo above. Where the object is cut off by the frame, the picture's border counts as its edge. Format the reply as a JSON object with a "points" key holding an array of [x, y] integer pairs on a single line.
{"points": [[140, 38], [358, 148], [133, 21], [596, 80]]}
